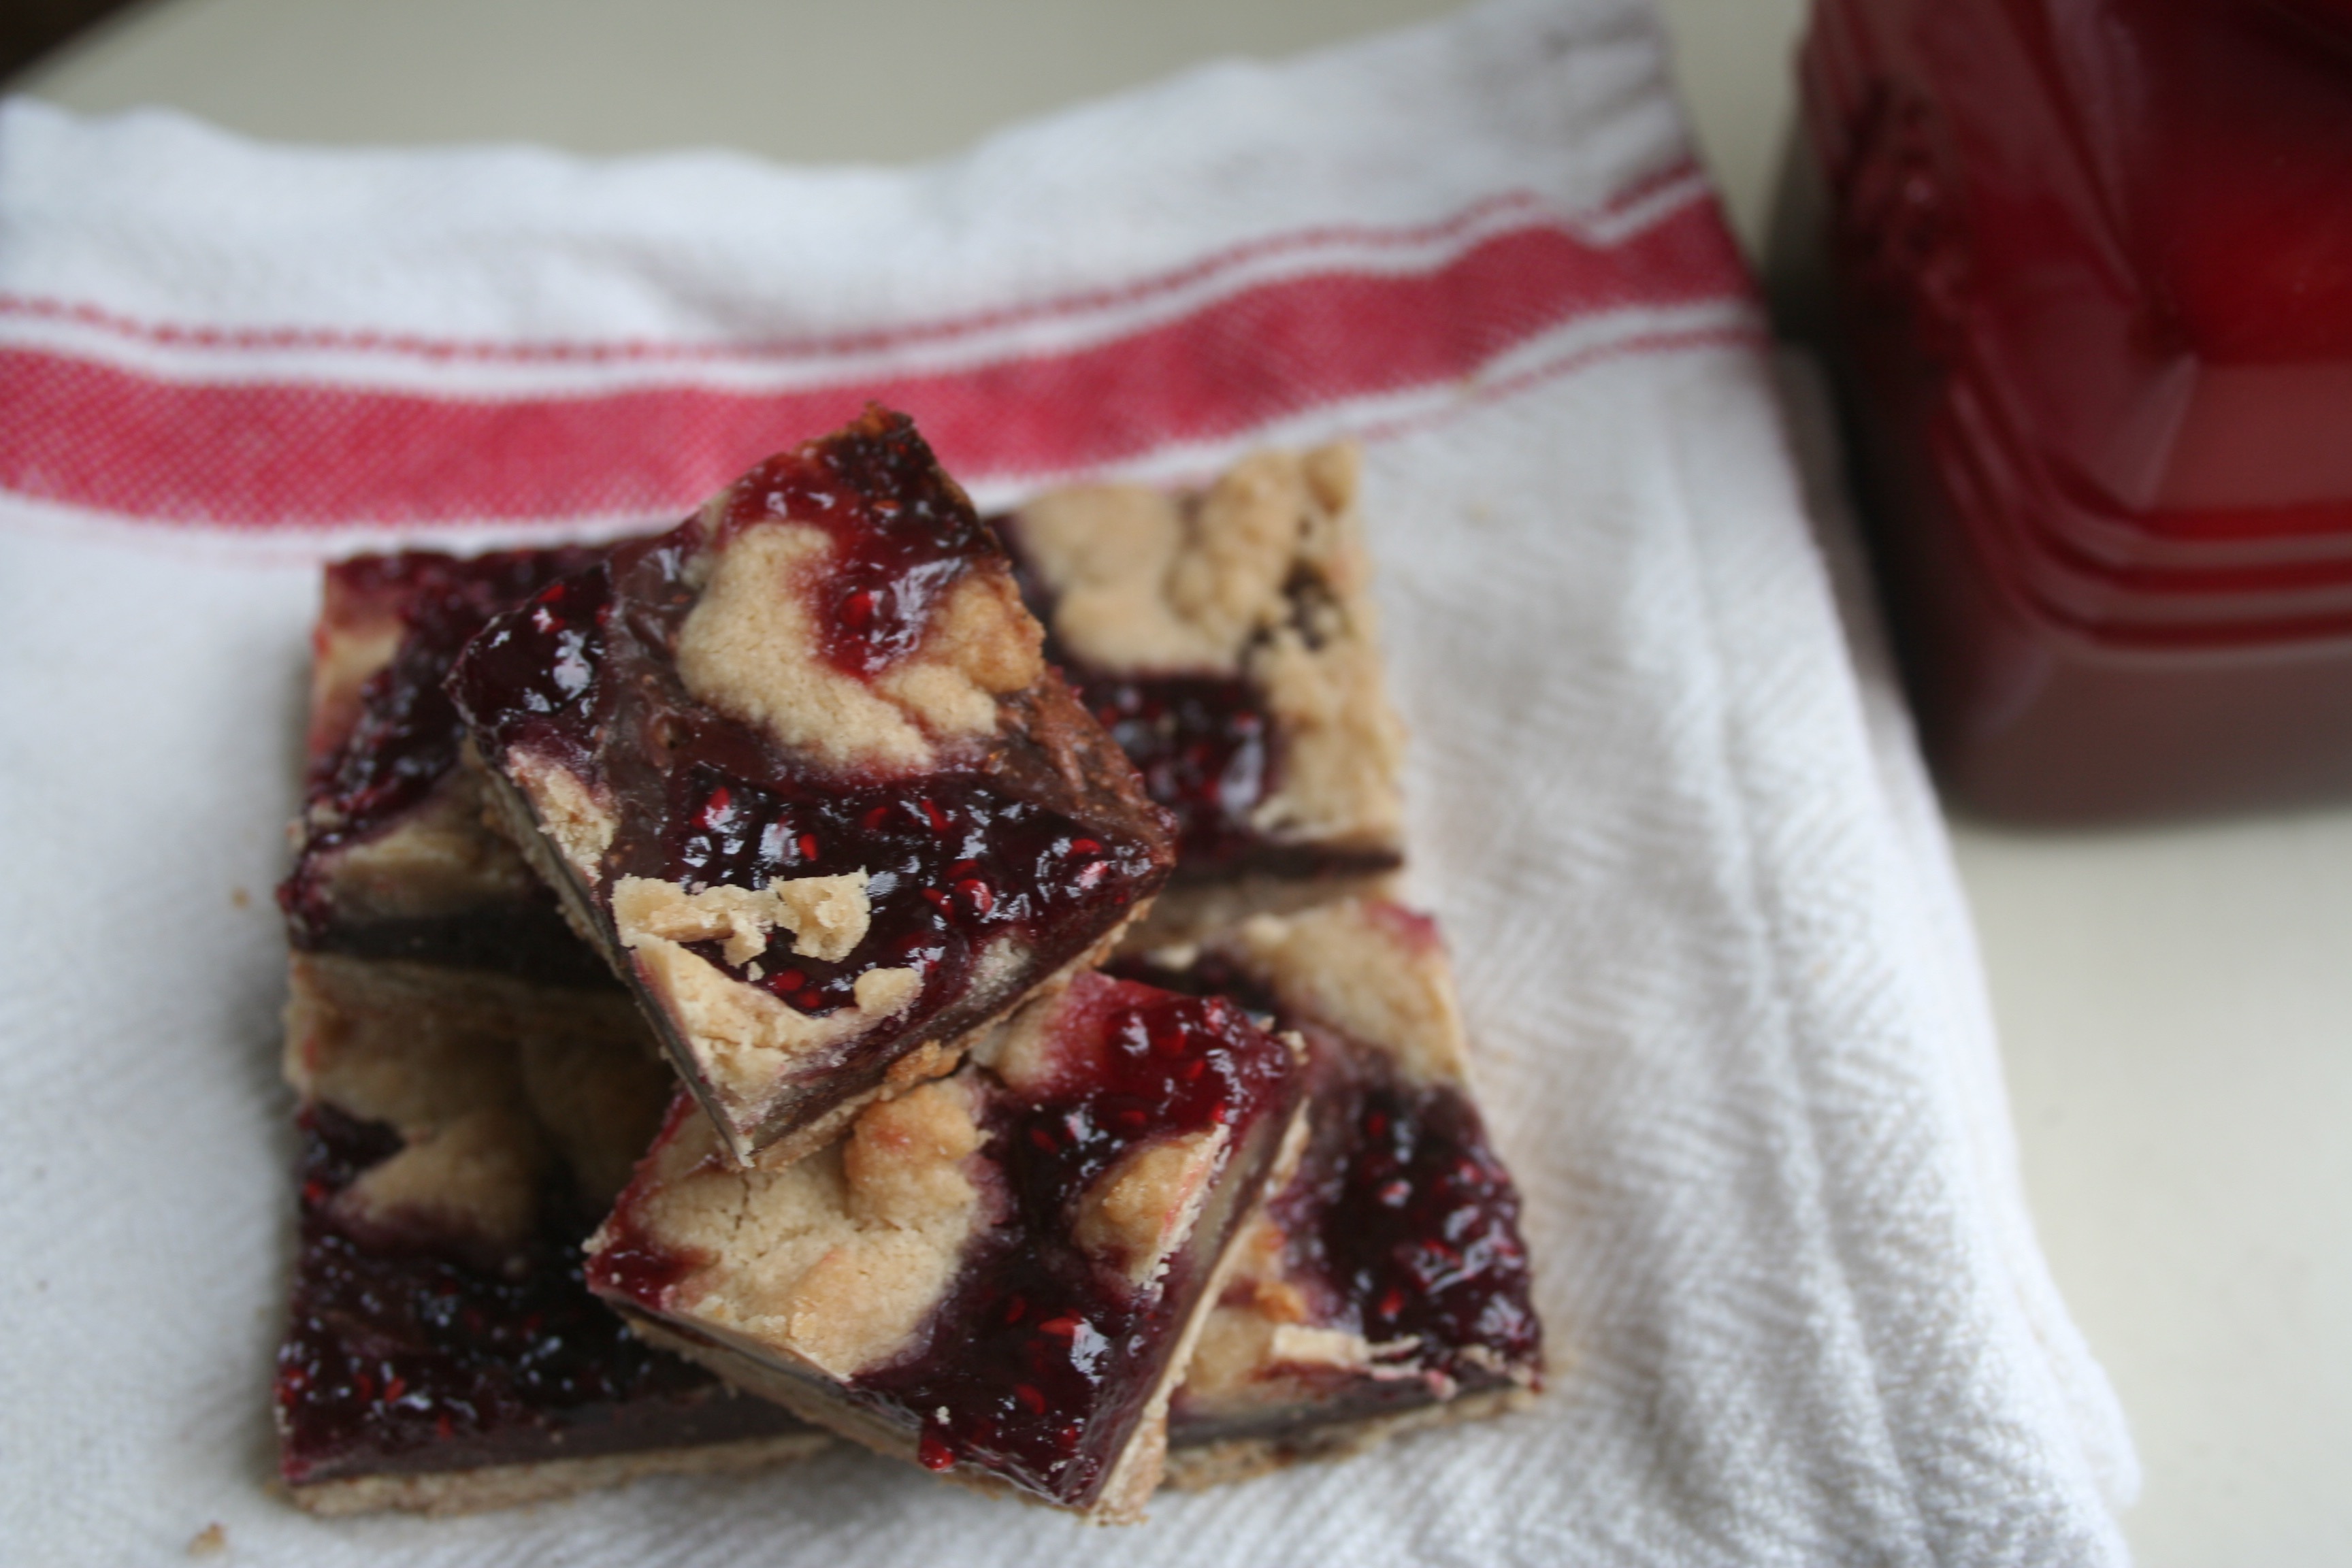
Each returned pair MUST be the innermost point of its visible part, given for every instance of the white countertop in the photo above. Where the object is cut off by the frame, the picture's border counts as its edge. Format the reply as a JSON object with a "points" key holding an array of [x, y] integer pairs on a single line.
{"points": [[2176, 1005]]}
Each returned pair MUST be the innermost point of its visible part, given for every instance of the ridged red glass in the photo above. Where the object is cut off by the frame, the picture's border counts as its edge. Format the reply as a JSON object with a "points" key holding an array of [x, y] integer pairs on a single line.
{"points": [[2093, 274]]}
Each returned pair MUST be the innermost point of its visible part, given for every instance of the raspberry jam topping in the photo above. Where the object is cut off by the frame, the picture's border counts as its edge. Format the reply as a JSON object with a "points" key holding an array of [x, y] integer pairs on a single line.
{"points": [[403, 1354], [1207, 748], [1201, 746], [1401, 1222], [902, 533], [407, 735], [1404, 1214], [1041, 1360], [950, 866], [1029, 845], [536, 673], [954, 858], [902, 536], [406, 738]]}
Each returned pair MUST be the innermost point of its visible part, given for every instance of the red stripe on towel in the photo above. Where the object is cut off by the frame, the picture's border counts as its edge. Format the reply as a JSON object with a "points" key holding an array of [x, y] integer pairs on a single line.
{"points": [[91, 434]]}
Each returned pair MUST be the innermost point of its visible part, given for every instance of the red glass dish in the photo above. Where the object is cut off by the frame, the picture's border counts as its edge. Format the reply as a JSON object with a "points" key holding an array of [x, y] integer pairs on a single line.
{"points": [[2017, 520], [2094, 272], [2125, 222], [2027, 718]]}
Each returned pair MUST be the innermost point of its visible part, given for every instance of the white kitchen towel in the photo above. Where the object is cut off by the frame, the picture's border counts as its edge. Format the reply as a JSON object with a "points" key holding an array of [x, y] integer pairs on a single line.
{"points": [[1730, 1023]]}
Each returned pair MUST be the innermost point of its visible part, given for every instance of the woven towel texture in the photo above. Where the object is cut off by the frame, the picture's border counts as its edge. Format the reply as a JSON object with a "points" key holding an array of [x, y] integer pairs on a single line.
{"points": [[1727, 1017]]}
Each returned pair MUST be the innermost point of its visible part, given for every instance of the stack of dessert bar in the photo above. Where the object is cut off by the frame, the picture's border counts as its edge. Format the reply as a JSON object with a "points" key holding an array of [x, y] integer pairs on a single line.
{"points": [[843, 967]]}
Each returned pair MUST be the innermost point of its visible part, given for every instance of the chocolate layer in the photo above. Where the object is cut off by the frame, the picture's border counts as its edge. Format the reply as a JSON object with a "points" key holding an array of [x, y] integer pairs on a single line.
{"points": [[458, 1137]]}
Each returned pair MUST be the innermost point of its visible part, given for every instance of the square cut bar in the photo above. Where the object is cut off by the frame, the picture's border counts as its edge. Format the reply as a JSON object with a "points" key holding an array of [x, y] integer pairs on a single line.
{"points": [[800, 773], [392, 859], [460, 1135], [1385, 1285], [1000, 1274], [465, 1119], [1227, 639]]}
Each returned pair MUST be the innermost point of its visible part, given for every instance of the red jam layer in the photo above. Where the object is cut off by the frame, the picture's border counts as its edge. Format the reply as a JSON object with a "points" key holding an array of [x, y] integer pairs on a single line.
{"points": [[956, 859], [1040, 1363], [1209, 754], [407, 735], [402, 1355], [1403, 1213], [404, 744], [1402, 1221], [903, 533], [953, 859], [1201, 744], [1040, 1360]]}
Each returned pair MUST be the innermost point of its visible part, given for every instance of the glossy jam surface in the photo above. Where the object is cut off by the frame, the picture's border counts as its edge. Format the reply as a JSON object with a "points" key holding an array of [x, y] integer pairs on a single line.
{"points": [[406, 736], [409, 735], [956, 858], [1208, 752], [1040, 1360], [1405, 1214], [1203, 746], [537, 675], [403, 1355], [903, 533], [950, 867], [1402, 1221]]}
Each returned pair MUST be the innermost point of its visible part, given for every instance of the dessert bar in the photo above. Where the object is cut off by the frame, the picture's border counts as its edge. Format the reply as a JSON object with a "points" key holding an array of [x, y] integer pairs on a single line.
{"points": [[475, 1085], [1385, 1285], [392, 857], [800, 773], [998, 1274], [798, 769], [1227, 640], [460, 1135]]}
